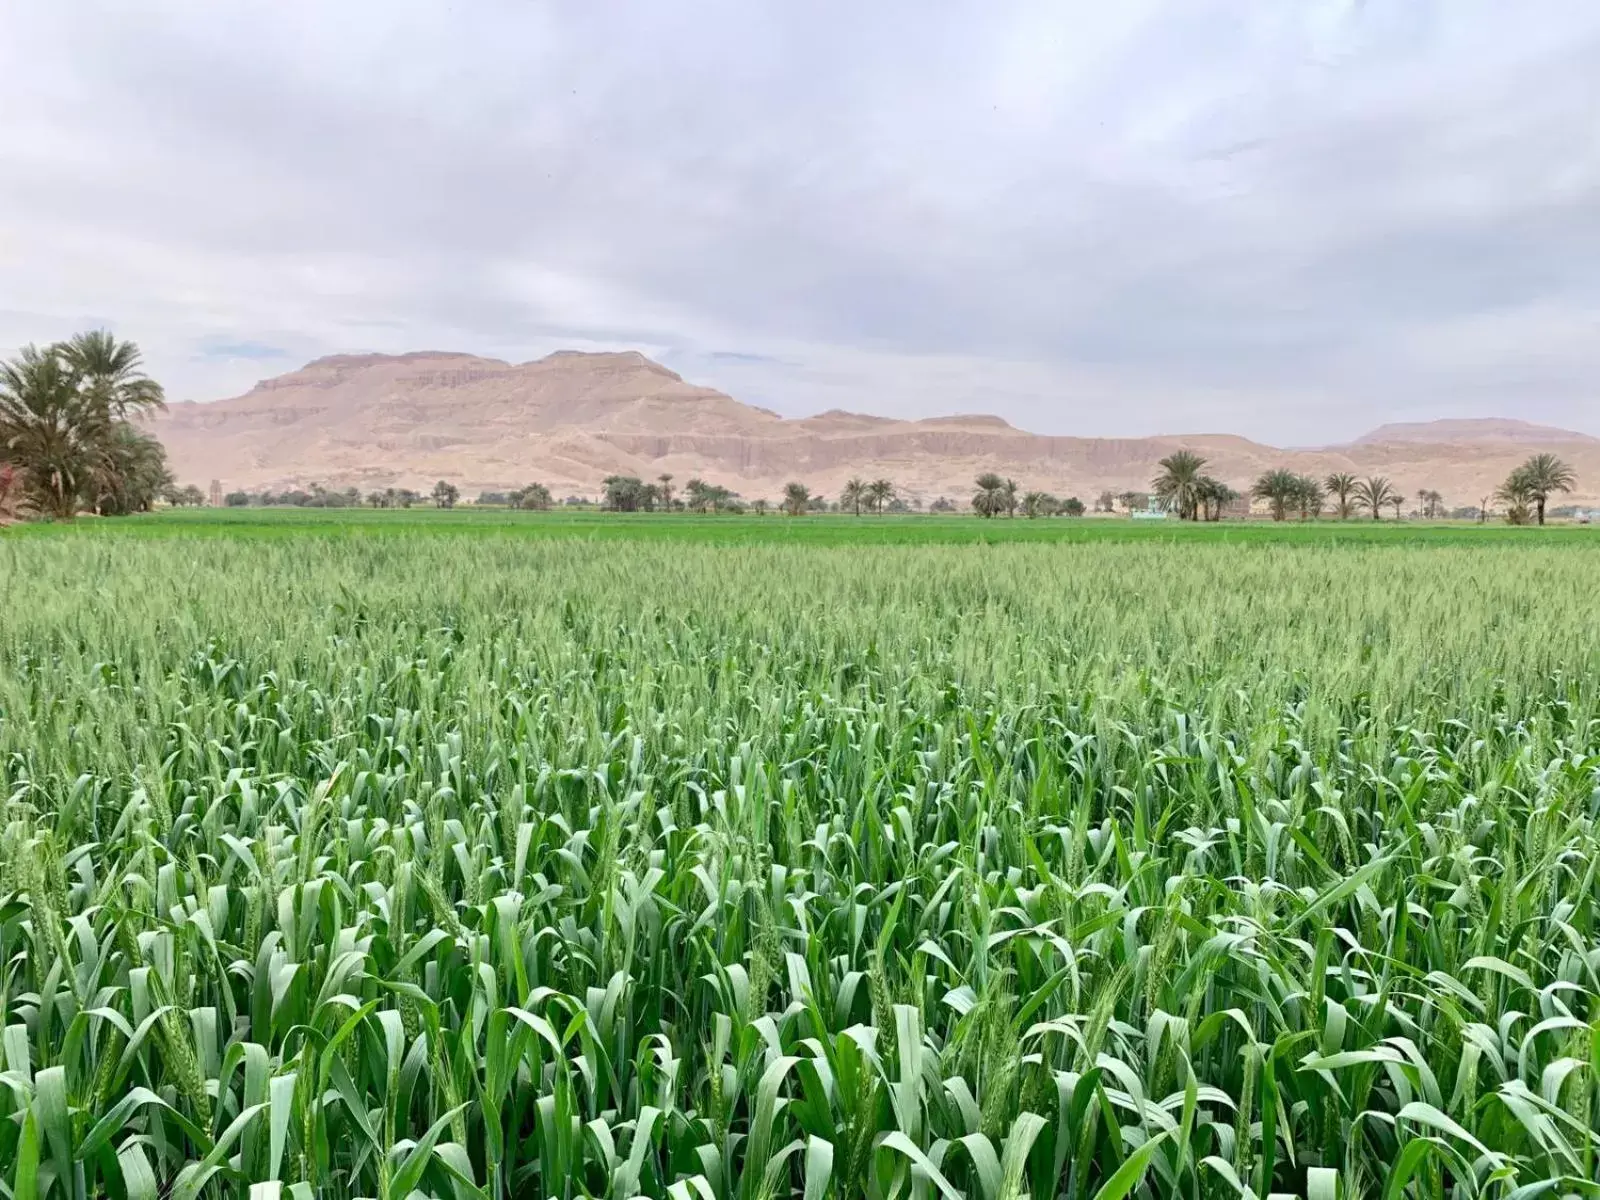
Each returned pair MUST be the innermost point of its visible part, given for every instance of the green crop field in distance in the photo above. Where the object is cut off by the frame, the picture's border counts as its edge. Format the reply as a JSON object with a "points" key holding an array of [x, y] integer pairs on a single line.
{"points": [[812, 529], [490, 855]]}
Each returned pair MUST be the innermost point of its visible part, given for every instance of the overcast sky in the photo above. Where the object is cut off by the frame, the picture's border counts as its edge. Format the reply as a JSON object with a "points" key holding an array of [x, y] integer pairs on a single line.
{"points": [[1290, 219]]}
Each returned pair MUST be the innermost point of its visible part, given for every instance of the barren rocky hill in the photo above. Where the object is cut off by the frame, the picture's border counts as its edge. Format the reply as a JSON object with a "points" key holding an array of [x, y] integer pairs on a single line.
{"points": [[1480, 431], [569, 420]]}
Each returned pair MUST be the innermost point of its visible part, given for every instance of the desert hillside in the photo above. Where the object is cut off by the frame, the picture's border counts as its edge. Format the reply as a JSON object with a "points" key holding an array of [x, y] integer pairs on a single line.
{"points": [[569, 420]]}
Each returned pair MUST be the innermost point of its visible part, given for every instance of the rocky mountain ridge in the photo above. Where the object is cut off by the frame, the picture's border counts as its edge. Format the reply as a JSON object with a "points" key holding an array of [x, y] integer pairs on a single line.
{"points": [[570, 419]]}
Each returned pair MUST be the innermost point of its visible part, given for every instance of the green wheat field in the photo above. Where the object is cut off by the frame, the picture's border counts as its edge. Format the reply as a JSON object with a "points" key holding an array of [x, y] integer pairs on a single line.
{"points": [[747, 860]]}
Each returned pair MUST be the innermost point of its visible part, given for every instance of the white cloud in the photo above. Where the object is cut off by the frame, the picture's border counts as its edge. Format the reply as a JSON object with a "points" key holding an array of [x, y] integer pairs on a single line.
{"points": [[1289, 221]]}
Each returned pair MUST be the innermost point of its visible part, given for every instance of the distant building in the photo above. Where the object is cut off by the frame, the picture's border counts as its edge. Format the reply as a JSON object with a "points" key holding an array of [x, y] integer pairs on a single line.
{"points": [[215, 499]]}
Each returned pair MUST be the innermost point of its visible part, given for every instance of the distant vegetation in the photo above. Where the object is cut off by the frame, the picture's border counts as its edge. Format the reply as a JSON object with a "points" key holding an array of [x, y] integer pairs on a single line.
{"points": [[624, 493], [1531, 485], [1285, 491], [533, 497], [183, 497], [320, 497], [1182, 487], [1283, 494]]}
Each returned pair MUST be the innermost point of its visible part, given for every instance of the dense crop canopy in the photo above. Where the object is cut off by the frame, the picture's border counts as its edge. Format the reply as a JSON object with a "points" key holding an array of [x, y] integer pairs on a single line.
{"points": [[478, 867]]}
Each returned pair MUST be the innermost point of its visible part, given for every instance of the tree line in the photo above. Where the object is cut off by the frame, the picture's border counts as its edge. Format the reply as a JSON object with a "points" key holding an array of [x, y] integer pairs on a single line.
{"points": [[627, 493], [443, 495], [994, 496], [534, 497], [1182, 487]]}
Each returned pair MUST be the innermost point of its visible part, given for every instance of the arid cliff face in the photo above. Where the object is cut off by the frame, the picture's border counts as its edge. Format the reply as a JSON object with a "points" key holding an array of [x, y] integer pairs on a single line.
{"points": [[569, 420]]}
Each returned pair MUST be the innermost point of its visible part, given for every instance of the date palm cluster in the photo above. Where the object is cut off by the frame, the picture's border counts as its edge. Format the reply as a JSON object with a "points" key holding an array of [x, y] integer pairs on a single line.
{"points": [[68, 434], [1528, 489]]}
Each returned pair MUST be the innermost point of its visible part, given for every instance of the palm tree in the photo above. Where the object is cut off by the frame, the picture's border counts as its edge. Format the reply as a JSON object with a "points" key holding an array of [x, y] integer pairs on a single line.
{"points": [[664, 480], [1517, 493], [63, 426], [1278, 487], [990, 496], [534, 496], [1373, 493], [1177, 487], [1038, 504], [1214, 495], [701, 496], [8, 490], [796, 498], [445, 494], [50, 428], [619, 493], [854, 493], [1544, 474], [1431, 502], [1342, 485], [130, 472], [110, 371], [880, 492], [1307, 496], [1130, 500], [1008, 496]]}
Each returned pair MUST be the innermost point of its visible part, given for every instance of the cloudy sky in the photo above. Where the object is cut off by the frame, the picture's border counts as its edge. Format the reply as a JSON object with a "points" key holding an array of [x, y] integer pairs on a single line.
{"points": [[1291, 219]]}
